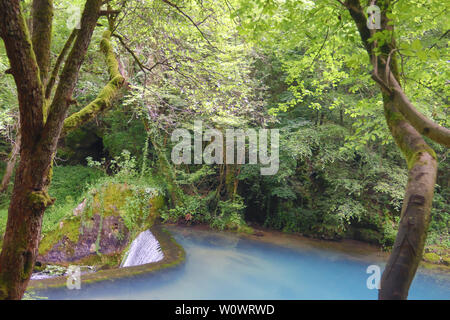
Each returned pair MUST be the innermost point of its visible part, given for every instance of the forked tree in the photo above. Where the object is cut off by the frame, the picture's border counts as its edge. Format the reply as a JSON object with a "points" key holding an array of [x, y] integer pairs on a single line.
{"points": [[44, 97], [407, 126]]}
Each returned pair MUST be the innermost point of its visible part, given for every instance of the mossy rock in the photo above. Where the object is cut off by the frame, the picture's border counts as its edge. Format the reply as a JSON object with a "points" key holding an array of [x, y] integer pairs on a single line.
{"points": [[446, 260], [431, 257], [110, 200], [439, 250], [68, 229], [99, 237], [97, 234], [156, 204], [367, 235], [174, 255]]}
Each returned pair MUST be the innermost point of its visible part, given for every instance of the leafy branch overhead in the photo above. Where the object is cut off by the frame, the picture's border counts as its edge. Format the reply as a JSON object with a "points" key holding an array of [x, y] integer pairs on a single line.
{"points": [[383, 73]]}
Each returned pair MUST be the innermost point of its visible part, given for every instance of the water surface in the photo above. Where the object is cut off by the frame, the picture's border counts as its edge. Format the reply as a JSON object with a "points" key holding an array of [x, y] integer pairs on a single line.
{"points": [[226, 266]]}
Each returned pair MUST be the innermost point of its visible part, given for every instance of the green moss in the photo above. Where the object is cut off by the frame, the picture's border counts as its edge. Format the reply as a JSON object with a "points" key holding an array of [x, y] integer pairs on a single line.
{"points": [[431, 257], [70, 229], [411, 153], [106, 96], [229, 182], [446, 260], [246, 230], [393, 118], [40, 199], [103, 261], [111, 61], [412, 158], [43, 16], [28, 266], [111, 199], [3, 290], [45, 107], [156, 203], [50, 173]]}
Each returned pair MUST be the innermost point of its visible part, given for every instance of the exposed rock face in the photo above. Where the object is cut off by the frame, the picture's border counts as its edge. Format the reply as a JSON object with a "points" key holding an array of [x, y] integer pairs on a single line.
{"points": [[112, 239], [95, 233]]}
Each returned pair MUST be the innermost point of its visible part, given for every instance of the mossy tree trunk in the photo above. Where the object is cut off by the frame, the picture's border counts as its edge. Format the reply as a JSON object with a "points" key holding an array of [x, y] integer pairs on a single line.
{"points": [[165, 167], [41, 124], [407, 126]]}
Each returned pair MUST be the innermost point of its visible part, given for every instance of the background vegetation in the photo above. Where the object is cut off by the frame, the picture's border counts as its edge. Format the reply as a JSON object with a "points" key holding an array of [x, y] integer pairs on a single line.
{"points": [[341, 175]]}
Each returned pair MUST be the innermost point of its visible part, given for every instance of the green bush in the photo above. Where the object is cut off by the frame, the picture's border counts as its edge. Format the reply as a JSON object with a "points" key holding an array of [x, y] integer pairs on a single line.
{"points": [[231, 215], [72, 181], [192, 208]]}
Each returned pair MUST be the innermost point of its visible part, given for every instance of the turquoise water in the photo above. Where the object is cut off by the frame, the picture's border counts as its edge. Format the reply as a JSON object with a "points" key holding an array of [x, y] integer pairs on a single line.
{"points": [[224, 266]]}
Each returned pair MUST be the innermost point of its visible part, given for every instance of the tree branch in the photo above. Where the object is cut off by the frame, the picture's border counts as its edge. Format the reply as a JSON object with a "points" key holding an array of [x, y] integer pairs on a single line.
{"points": [[173, 5], [61, 101], [390, 85], [420, 122], [109, 12], [59, 61], [357, 12], [106, 97], [42, 35], [136, 59]]}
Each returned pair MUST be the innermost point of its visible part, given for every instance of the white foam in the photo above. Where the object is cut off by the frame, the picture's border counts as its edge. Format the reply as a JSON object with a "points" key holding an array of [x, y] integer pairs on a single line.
{"points": [[144, 249]]}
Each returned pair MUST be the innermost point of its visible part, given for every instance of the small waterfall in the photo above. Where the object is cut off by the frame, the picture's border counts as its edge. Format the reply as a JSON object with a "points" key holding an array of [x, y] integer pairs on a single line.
{"points": [[144, 249]]}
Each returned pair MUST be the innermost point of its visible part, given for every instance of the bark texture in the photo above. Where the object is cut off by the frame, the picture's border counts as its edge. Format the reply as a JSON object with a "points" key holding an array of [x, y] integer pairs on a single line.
{"points": [[30, 62], [416, 210], [42, 13]]}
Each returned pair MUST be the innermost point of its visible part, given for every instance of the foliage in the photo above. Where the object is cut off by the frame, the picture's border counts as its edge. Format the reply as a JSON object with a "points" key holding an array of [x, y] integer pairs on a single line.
{"points": [[231, 215], [294, 65]]}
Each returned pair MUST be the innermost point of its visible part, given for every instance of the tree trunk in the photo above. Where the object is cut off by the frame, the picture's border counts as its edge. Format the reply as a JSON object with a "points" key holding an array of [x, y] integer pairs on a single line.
{"points": [[23, 229], [39, 133], [406, 126], [416, 210]]}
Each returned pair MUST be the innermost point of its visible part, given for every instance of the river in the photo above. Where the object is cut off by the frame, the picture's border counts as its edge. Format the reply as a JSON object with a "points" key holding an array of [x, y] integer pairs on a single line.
{"points": [[222, 265]]}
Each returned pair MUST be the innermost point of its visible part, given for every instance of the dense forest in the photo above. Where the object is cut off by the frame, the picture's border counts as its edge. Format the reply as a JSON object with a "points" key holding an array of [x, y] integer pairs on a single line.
{"points": [[87, 112]]}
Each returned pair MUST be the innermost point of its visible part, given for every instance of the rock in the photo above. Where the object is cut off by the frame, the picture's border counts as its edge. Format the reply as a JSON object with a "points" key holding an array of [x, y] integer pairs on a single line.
{"points": [[446, 261], [97, 236], [431, 257], [80, 208], [69, 250], [367, 235]]}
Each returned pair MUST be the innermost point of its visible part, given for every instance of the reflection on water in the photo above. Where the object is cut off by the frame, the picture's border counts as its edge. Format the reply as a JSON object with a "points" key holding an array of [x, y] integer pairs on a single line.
{"points": [[224, 266]]}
